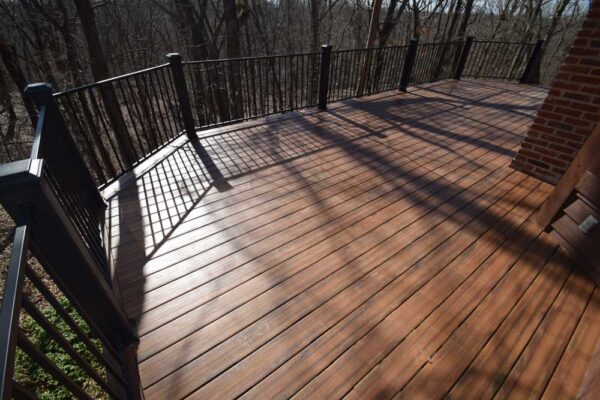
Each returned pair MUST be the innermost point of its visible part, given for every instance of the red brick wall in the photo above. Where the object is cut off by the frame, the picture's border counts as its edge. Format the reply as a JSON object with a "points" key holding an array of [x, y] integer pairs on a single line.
{"points": [[570, 111]]}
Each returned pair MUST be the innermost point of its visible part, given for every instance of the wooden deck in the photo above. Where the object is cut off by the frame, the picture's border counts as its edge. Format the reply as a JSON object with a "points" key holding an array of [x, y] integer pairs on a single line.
{"points": [[382, 249]]}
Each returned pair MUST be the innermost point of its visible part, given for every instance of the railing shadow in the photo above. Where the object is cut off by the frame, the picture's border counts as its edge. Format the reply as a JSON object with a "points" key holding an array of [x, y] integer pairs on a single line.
{"points": [[144, 214], [241, 151], [445, 104]]}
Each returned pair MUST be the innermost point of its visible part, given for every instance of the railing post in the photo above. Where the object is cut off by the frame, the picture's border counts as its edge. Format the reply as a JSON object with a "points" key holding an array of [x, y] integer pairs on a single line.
{"points": [[409, 62], [41, 95], [182, 95], [532, 70], [324, 76], [188, 120], [462, 61]]}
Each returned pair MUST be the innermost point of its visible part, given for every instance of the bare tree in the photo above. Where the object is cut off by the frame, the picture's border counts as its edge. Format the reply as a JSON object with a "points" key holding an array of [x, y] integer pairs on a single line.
{"points": [[373, 31], [232, 27], [101, 71]]}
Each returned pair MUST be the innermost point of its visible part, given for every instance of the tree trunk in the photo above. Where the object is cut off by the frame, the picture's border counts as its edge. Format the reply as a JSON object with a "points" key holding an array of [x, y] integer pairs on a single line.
{"points": [[10, 60], [315, 37], [232, 42], [447, 38], [389, 23], [7, 137], [560, 9], [462, 30], [90, 32], [315, 25], [39, 36], [202, 49], [417, 20], [453, 21], [373, 30], [70, 47], [100, 71], [528, 36]]}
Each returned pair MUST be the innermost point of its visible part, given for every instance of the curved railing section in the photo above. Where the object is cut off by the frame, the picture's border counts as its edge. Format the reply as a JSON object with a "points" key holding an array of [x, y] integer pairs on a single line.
{"points": [[119, 122]]}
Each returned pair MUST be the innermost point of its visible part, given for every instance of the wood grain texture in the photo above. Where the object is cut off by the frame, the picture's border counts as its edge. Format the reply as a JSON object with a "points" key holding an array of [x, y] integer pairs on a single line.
{"points": [[380, 249]]}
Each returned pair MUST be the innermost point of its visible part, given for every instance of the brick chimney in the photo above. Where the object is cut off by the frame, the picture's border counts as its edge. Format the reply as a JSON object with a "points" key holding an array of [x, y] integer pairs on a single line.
{"points": [[570, 111]]}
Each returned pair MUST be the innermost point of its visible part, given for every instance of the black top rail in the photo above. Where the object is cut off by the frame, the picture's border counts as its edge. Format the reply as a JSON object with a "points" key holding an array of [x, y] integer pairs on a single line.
{"points": [[217, 60], [119, 122], [499, 41], [110, 80]]}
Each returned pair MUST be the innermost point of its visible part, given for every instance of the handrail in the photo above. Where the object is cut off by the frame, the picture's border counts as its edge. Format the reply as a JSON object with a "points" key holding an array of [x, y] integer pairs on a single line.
{"points": [[499, 41], [121, 121], [109, 80], [215, 60], [66, 172]]}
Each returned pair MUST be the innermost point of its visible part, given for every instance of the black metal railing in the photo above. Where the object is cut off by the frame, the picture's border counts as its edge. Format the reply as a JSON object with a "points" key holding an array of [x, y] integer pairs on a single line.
{"points": [[222, 91], [435, 62], [120, 121], [384, 70], [58, 287], [67, 174], [498, 60]]}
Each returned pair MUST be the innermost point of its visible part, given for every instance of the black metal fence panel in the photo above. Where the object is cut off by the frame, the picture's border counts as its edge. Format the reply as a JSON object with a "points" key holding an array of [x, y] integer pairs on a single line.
{"points": [[59, 349], [435, 62], [119, 122], [62, 329], [498, 60], [384, 70], [223, 91]]}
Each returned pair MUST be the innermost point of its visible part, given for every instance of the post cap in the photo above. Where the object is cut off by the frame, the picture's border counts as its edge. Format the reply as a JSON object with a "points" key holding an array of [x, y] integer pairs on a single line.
{"points": [[173, 57], [38, 89], [326, 46]]}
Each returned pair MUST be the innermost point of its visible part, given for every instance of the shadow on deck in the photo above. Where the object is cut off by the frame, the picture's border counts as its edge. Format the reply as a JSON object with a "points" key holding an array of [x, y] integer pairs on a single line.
{"points": [[380, 249]]}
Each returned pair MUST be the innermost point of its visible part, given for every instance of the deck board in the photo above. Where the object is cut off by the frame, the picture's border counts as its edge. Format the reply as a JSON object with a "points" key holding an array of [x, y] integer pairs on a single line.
{"points": [[380, 249]]}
